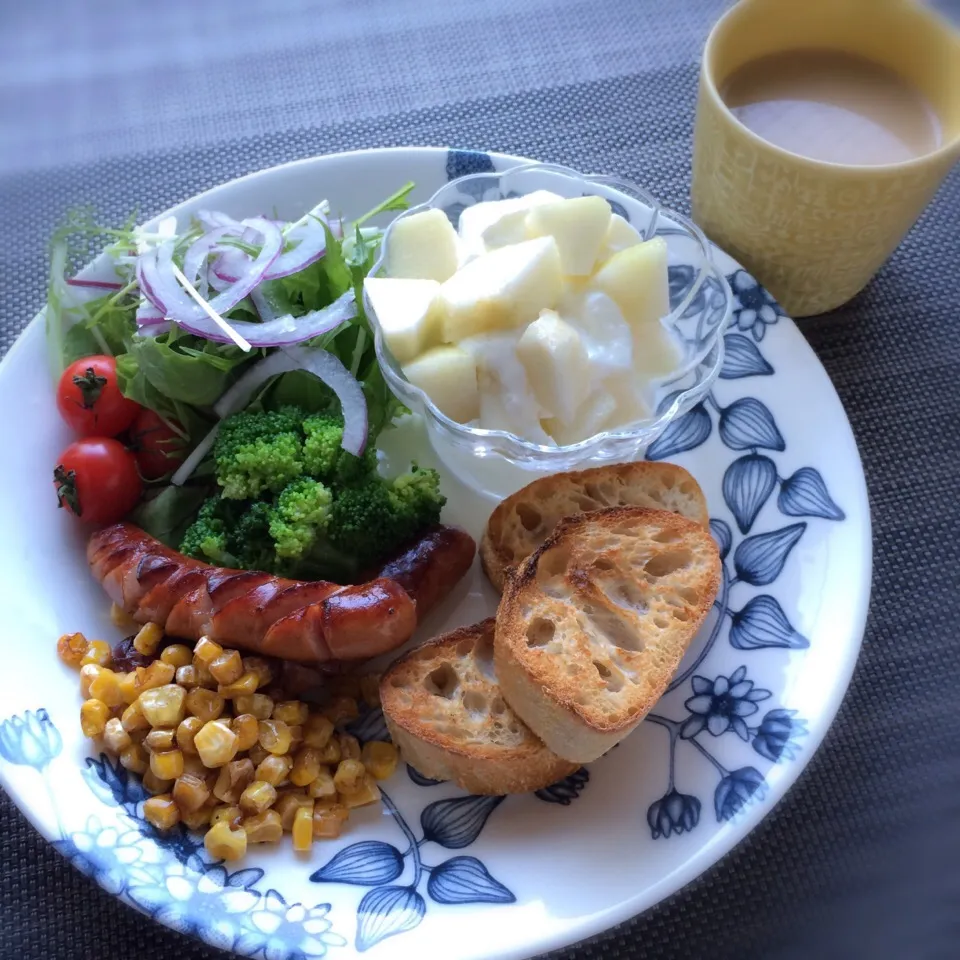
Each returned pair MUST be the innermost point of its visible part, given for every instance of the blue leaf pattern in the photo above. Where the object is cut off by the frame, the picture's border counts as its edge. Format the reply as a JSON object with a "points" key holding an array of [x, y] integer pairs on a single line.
{"points": [[736, 790], [747, 423], [762, 623], [720, 532], [741, 358], [747, 485], [466, 880], [567, 790], [778, 734], [760, 558], [369, 726], [685, 433], [385, 912], [420, 780], [367, 863], [805, 495], [457, 822]]}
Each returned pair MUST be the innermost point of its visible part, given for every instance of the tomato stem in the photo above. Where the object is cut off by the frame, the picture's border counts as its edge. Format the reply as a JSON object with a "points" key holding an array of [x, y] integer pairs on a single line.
{"points": [[66, 483], [90, 385]]}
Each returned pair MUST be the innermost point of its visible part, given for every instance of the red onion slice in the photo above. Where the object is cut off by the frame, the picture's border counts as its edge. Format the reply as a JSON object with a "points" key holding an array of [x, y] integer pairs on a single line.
{"points": [[94, 284], [201, 248], [312, 246]]}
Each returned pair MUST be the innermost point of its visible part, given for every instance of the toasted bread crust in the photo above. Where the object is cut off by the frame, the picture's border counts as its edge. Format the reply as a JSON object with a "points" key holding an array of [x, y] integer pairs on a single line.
{"points": [[593, 625], [524, 520], [444, 711]]}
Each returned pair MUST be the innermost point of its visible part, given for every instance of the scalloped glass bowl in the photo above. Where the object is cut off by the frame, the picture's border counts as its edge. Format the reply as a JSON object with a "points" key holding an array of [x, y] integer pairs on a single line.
{"points": [[495, 461]]}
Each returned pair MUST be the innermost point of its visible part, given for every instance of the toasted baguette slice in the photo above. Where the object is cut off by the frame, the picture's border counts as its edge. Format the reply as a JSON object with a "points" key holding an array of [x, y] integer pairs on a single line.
{"points": [[524, 520], [594, 624], [445, 712]]}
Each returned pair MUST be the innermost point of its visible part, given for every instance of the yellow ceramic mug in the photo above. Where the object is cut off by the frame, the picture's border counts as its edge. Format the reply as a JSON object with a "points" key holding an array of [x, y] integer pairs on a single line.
{"points": [[814, 233]]}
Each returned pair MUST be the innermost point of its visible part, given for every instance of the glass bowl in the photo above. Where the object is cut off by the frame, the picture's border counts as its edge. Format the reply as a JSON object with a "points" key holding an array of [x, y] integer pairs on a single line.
{"points": [[498, 462]]}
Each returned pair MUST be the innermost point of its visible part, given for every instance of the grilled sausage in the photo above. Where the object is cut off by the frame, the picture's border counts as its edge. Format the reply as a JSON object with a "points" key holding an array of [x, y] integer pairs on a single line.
{"points": [[306, 621]]}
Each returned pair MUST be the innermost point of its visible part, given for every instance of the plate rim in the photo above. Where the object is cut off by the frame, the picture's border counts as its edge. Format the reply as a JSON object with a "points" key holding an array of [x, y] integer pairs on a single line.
{"points": [[714, 851]]}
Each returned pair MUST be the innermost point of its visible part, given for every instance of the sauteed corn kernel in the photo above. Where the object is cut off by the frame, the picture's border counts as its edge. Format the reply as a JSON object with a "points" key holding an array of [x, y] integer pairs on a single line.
{"points": [[223, 747]]}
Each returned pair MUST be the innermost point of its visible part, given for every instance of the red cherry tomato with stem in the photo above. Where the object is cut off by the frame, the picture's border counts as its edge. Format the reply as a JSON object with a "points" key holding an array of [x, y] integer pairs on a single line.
{"points": [[159, 450], [96, 479], [90, 401]]}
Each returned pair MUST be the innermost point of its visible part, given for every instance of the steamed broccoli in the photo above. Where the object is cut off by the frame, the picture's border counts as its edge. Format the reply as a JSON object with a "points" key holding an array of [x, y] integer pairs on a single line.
{"points": [[294, 502]]}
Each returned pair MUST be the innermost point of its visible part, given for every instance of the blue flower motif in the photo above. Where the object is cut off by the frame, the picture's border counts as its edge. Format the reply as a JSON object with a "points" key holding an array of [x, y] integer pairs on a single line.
{"points": [[720, 705], [31, 740], [287, 931], [674, 812], [758, 309], [777, 736], [736, 790]]}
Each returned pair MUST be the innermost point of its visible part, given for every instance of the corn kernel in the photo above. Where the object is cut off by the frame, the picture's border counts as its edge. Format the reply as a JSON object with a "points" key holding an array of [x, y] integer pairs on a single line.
{"points": [[328, 821], [260, 667], [204, 704], [380, 759], [341, 710], [187, 676], [94, 715], [203, 676], [177, 655], [296, 736], [291, 712], [247, 729], [306, 767], [347, 685], [317, 731], [257, 754], [98, 652], [323, 786], [370, 690], [160, 739], [191, 792], [154, 784], [247, 683], [164, 706], [234, 778], [153, 675], [122, 620], [349, 776], [303, 829], [216, 743], [134, 758], [298, 679], [206, 651], [87, 675], [72, 648], [148, 639], [130, 687], [161, 811], [263, 827], [274, 736], [223, 843], [349, 747], [166, 764], [287, 806], [226, 813], [193, 764], [330, 754], [257, 797], [115, 738], [197, 819], [257, 704], [227, 668], [368, 792], [187, 730], [273, 770], [105, 686]]}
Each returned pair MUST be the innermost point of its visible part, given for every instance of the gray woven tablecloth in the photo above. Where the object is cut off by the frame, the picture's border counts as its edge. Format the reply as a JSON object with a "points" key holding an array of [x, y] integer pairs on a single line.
{"points": [[127, 105]]}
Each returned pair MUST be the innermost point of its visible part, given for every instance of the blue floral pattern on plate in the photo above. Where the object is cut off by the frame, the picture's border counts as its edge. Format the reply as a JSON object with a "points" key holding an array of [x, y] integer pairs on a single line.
{"points": [[170, 876]]}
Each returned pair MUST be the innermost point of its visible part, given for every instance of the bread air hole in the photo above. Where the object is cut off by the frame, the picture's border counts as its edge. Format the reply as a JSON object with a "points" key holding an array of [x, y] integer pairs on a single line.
{"points": [[540, 632], [604, 497], [666, 536], [664, 564], [553, 563], [497, 706], [475, 703], [442, 681], [483, 658], [613, 681], [530, 517]]}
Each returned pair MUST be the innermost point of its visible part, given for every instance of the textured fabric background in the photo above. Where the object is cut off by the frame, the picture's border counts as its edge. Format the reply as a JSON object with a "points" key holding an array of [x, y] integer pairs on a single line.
{"points": [[141, 105]]}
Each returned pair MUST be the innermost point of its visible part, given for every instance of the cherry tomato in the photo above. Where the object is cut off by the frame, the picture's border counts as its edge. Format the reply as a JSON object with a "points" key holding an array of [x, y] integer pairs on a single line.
{"points": [[158, 449], [97, 480], [90, 401]]}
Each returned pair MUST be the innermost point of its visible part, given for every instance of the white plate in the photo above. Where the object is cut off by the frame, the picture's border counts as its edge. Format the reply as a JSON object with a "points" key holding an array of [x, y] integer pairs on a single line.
{"points": [[486, 877]]}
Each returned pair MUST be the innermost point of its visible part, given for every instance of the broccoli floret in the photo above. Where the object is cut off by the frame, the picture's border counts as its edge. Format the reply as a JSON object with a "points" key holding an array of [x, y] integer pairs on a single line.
{"points": [[370, 519], [299, 517], [249, 538], [325, 459], [206, 538], [257, 452]]}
